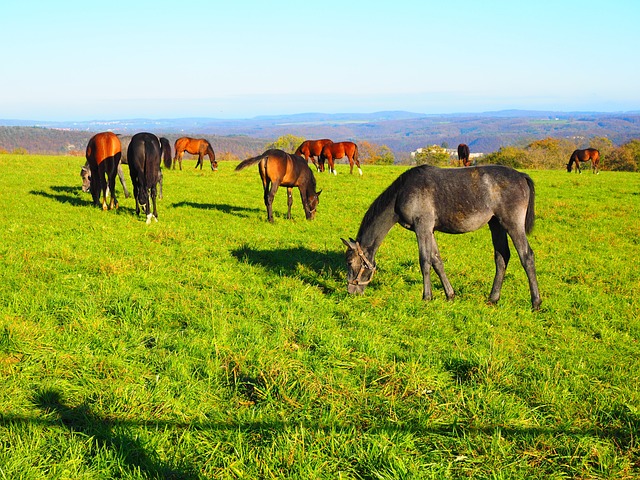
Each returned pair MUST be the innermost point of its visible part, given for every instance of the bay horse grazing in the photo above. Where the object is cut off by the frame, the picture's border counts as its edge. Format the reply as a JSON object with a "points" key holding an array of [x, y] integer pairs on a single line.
{"points": [[584, 156], [194, 146], [463, 155], [144, 167], [311, 149], [426, 199], [125, 140], [334, 151], [103, 156], [280, 168]]}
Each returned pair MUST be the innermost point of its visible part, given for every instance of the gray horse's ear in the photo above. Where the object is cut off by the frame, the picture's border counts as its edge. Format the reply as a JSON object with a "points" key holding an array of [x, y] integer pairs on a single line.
{"points": [[350, 244]]}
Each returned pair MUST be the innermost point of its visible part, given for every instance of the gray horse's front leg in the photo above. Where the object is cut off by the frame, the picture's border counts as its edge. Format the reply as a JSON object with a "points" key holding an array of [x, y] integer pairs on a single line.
{"points": [[430, 257], [122, 182]]}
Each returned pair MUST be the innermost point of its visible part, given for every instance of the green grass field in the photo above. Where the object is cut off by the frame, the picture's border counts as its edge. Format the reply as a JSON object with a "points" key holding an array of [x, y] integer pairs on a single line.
{"points": [[213, 344]]}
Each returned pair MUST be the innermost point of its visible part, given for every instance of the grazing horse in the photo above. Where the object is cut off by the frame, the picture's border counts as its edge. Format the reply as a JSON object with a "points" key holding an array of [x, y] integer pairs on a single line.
{"points": [[103, 156], [334, 151], [194, 146], [311, 149], [280, 168], [463, 155], [144, 167], [85, 171], [583, 156], [426, 199], [85, 175]]}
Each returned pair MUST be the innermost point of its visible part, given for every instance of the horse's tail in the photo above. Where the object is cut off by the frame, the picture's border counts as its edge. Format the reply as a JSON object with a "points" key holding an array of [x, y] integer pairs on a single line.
{"points": [[530, 217], [355, 153], [250, 161], [166, 152]]}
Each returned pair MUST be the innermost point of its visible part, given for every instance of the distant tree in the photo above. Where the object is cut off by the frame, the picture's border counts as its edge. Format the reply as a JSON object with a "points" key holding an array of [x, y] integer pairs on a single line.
{"points": [[385, 156], [625, 158], [289, 143], [226, 157], [510, 156], [433, 155], [20, 151], [372, 154], [548, 153]]}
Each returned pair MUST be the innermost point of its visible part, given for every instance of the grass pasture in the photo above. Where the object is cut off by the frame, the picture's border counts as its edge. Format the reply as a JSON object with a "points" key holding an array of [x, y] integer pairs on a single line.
{"points": [[213, 344]]}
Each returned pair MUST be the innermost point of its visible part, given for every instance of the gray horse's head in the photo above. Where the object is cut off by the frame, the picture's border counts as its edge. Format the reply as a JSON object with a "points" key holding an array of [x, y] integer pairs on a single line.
{"points": [[85, 174]]}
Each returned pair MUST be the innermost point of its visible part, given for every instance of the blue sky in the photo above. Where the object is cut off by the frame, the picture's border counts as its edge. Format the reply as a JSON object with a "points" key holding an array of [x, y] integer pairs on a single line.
{"points": [[84, 60]]}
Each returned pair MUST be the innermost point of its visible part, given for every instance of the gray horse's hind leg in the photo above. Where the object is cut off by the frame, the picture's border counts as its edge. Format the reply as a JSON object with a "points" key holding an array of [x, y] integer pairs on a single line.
{"points": [[501, 255], [527, 259]]}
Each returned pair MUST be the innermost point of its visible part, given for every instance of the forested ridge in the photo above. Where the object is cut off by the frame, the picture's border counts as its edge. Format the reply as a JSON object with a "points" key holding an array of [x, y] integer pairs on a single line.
{"points": [[402, 132]]}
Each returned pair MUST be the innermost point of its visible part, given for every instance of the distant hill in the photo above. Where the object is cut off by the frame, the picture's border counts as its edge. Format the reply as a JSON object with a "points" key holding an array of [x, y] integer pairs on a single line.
{"points": [[401, 131]]}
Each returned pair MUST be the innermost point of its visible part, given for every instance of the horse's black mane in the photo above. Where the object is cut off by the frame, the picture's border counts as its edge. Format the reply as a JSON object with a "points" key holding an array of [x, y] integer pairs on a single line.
{"points": [[382, 202]]}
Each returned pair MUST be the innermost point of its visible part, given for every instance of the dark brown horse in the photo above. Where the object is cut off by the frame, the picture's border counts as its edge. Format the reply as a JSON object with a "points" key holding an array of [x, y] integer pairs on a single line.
{"points": [[280, 168], [426, 199], [194, 146], [103, 156], [311, 149], [584, 156], [463, 155], [335, 151], [144, 154], [125, 140]]}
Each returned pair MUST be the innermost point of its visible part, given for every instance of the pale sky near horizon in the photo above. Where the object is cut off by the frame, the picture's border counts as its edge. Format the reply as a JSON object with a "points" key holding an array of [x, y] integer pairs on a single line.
{"points": [[84, 60]]}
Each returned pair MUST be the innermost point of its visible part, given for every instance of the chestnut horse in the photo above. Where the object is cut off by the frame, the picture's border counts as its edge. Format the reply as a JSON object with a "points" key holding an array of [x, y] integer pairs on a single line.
{"points": [[280, 168], [194, 146], [463, 155], [103, 156], [311, 149], [334, 151], [583, 156]]}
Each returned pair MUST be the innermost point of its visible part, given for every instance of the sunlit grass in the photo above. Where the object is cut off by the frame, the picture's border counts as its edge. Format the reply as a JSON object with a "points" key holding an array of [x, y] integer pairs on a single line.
{"points": [[213, 344]]}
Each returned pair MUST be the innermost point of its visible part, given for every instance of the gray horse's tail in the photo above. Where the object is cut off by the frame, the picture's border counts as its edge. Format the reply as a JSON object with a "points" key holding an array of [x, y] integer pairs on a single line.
{"points": [[531, 211]]}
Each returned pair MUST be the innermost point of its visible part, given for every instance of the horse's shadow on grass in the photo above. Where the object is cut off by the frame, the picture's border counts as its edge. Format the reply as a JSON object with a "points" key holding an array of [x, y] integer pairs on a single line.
{"points": [[221, 207], [319, 269], [108, 435], [65, 195]]}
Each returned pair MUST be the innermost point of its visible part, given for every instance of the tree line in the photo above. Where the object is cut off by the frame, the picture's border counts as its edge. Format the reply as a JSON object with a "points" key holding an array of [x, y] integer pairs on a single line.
{"points": [[548, 153]]}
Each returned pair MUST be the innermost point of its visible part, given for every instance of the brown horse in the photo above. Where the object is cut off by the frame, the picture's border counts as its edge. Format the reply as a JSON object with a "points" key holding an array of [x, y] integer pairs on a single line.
{"points": [[583, 156], [194, 146], [103, 156], [311, 149], [463, 155], [334, 151], [280, 168]]}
